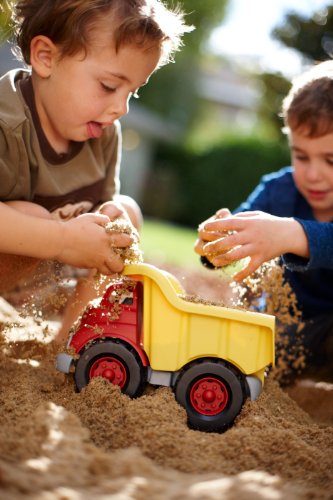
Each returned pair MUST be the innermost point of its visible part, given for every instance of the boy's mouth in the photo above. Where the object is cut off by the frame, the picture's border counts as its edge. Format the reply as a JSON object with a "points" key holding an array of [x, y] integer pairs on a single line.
{"points": [[95, 130], [316, 195]]}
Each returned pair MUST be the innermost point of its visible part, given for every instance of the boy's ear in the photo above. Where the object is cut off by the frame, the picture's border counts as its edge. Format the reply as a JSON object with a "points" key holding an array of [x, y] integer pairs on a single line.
{"points": [[43, 53]]}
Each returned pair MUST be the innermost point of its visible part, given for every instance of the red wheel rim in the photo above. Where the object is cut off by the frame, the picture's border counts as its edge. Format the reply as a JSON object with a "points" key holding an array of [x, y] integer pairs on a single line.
{"points": [[209, 396], [111, 369]]}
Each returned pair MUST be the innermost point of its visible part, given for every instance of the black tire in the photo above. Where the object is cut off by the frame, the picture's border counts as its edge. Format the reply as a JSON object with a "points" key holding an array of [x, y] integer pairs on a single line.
{"points": [[212, 395], [114, 361]]}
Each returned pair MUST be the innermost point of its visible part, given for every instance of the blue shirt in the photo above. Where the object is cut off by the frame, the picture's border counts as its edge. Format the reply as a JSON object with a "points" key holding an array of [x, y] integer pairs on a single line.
{"points": [[311, 279]]}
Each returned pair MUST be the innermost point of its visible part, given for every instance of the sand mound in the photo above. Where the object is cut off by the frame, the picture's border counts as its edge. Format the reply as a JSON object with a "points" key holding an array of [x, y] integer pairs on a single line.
{"points": [[56, 443]]}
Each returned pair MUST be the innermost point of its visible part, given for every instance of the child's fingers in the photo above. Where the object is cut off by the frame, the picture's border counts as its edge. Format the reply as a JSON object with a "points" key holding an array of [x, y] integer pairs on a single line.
{"points": [[228, 257], [223, 244], [222, 225], [202, 224], [210, 235], [255, 213], [244, 273], [99, 219], [198, 246], [223, 212], [235, 222], [113, 264], [105, 269], [108, 268], [121, 240], [253, 265]]}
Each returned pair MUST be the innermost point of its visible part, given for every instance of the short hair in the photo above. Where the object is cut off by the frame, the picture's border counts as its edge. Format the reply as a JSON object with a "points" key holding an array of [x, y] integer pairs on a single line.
{"points": [[70, 23], [308, 107]]}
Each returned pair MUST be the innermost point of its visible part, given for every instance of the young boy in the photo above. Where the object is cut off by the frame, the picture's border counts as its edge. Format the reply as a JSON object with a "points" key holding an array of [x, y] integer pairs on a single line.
{"points": [[290, 213], [59, 129]]}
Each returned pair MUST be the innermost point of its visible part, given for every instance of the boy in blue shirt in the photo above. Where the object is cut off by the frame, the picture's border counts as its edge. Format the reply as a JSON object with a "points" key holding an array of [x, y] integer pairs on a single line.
{"points": [[290, 213]]}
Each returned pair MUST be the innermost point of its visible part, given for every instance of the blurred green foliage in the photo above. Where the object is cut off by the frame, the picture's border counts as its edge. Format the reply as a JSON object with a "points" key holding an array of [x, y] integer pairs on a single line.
{"points": [[204, 16], [5, 20], [275, 87], [173, 93], [310, 36], [186, 187]]}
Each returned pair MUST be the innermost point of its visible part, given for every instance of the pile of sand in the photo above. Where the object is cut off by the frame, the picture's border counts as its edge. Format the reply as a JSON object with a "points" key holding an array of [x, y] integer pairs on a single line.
{"points": [[56, 443]]}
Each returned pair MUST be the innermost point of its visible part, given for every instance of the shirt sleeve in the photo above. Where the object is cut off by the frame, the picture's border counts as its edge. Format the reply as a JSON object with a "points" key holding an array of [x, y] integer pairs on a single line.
{"points": [[9, 160], [275, 194], [258, 200], [112, 149], [320, 238]]}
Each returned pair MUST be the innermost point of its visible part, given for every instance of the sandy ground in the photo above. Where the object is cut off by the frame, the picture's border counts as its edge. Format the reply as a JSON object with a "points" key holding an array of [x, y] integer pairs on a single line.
{"points": [[56, 443]]}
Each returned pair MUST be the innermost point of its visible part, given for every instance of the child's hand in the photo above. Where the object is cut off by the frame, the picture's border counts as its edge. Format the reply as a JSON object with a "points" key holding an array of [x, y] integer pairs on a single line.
{"points": [[257, 235], [205, 235], [85, 243]]}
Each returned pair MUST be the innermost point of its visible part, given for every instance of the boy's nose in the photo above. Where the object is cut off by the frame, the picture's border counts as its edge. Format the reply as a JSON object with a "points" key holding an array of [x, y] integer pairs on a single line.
{"points": [[119, 107], [313, 171]]}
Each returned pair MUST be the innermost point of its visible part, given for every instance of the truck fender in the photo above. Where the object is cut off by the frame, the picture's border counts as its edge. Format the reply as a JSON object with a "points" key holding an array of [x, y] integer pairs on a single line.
{"points": [[64, 362], [254, 386]]}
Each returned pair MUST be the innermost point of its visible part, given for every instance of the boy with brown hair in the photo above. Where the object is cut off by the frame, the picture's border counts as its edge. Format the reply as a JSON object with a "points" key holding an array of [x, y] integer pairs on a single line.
{"points": [[59, 130], [290, 213]]}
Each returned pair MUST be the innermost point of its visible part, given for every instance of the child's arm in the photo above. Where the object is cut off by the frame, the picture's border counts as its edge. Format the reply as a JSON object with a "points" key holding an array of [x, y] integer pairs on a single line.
{"points": [[81, 242], [257, 235]]}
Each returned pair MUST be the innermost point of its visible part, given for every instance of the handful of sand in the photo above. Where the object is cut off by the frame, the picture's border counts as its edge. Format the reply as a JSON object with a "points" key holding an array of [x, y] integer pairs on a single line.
{"points": [[131, 254]]}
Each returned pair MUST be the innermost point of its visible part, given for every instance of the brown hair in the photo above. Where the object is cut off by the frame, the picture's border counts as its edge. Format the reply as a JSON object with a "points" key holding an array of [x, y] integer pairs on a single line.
{"points": [[69, 24], [308, 106]]}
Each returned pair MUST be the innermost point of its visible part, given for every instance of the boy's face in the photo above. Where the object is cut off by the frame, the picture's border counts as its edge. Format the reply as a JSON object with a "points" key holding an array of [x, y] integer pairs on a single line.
{"points": [[312, 159], [83, 95]]}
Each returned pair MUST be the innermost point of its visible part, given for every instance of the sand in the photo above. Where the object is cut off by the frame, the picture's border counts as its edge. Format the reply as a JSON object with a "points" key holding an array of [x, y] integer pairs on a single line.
{"points": [[57, 443]]}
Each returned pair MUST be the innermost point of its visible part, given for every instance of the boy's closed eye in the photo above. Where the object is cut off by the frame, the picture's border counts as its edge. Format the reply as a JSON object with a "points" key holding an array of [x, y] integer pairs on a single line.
{"points": [[298, 154], [110, 90], [300, 157], [107, 89], [329, 160]]}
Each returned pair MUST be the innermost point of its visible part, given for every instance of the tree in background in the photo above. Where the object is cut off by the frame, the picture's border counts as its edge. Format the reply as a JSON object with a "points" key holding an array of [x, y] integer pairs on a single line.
{"points": [[4, 21], [174, 94], [275, 87], [312, 38]]}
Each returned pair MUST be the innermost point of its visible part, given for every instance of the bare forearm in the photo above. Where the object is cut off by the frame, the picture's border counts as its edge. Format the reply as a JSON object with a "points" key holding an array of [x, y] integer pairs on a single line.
{"points": [[27, 235], [81, 241]]}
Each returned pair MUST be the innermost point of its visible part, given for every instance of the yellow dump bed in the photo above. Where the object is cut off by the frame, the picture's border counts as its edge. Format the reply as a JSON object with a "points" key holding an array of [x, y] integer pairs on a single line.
{"points": [[177, 331]]}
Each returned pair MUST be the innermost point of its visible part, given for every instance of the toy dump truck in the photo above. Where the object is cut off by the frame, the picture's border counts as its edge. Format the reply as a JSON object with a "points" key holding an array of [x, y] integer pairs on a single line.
{"points": [[143, 331]]}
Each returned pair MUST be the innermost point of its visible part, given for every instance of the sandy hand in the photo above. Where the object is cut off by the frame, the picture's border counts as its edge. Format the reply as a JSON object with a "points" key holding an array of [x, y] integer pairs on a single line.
{"points": [[207, 245], [86, 243], [119, 228]]}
